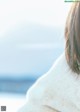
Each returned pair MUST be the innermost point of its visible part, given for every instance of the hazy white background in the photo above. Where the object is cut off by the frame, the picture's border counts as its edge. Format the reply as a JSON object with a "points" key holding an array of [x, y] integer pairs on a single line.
{"points": [[43, 12], [29, 32], [31, 38]]}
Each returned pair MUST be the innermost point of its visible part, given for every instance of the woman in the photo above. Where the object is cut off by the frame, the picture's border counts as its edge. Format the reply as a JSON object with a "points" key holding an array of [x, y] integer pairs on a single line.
{"points": [[59, 89]]}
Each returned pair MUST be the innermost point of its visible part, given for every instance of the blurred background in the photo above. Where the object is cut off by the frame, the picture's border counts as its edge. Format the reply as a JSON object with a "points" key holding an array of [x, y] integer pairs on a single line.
{"points": [[31, 39]]}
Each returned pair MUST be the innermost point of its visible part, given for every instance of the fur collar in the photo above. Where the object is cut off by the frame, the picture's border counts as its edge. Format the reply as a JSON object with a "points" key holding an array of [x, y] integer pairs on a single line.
{"points": [[64, 86]]}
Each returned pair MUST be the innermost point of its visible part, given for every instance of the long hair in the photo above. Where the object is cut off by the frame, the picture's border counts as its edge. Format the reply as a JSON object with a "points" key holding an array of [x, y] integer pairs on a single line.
{"points": [[72, 37]]}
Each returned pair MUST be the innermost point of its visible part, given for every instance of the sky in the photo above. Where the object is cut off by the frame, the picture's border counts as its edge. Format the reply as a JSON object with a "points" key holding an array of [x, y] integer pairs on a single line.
{"points": [[16, 18], [43, 12]]}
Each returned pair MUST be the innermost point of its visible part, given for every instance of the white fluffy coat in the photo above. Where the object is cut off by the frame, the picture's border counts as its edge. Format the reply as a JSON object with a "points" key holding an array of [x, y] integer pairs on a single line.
{"points": [[56, 91]]}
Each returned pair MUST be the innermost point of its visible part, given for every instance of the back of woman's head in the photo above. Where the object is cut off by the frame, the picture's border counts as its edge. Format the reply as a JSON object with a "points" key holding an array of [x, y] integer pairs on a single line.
{"points": [[72, 36]]}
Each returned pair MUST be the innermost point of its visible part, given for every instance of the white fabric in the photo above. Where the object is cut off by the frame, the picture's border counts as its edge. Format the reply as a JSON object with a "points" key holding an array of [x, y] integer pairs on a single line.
{"points": [[58, 89]]}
